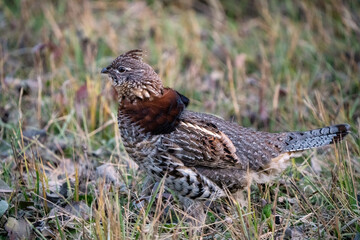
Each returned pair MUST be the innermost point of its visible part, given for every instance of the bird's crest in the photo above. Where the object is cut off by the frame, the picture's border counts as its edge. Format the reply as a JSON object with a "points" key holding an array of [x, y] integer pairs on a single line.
{"points": [[136, 54]]}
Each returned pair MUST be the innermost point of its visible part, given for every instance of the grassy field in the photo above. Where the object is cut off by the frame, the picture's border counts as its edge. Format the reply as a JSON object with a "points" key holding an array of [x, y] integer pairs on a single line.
{"points": [[270, 65]]}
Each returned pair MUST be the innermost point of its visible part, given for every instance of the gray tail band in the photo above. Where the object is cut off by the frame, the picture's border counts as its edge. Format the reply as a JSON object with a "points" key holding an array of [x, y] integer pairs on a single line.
{"points": [[297, 141]]}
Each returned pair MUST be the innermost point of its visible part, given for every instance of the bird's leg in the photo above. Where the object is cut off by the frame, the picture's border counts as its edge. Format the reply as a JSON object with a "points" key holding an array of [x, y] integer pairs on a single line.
{"points": [[197, 215], [242, 196], [146, 192]]}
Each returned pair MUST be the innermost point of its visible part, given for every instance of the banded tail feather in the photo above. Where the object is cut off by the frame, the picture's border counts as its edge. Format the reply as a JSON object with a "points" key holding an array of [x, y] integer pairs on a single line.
{"points": [[298, 141]]}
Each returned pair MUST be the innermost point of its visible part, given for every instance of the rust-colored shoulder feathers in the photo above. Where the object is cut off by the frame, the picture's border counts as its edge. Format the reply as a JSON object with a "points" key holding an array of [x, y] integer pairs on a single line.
{"points": [[159, 115]]}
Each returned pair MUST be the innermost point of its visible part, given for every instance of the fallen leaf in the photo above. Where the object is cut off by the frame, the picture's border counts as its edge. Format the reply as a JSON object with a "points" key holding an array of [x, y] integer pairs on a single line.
{"points": [[79, 209], [33, 133], [3, 207], [4, 187], [17, 229], [108, 172]]}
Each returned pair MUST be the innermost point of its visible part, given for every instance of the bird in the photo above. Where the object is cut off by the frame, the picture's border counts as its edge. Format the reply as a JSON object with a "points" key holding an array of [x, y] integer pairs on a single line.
{"points": [[199, 156]]}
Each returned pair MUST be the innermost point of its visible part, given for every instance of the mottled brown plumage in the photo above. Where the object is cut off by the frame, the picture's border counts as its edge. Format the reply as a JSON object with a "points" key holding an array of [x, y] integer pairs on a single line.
{"points": [[198, 154]]}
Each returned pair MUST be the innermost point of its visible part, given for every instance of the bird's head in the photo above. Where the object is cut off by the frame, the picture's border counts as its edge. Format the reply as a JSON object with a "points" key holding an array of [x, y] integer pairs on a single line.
{"points": [[132, 78]]}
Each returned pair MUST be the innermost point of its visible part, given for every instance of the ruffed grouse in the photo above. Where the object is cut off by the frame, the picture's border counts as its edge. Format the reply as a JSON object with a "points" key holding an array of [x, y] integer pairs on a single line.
{"points": [[198, 154]]}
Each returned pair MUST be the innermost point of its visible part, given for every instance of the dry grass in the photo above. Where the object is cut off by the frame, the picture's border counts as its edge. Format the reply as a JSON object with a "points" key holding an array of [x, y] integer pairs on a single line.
{"points": [[271, 65]]}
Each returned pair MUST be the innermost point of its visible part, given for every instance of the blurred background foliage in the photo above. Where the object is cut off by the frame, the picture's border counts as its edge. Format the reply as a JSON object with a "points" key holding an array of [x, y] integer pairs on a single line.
{"points": [[247, 60]]}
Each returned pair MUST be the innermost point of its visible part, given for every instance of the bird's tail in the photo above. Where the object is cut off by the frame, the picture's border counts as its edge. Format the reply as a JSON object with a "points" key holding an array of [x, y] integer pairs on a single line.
{"points": [[297, 141]]}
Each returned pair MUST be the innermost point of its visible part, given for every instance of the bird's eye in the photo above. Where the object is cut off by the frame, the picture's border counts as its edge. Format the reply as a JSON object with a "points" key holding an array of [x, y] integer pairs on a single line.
{"points": [[122, 69]]}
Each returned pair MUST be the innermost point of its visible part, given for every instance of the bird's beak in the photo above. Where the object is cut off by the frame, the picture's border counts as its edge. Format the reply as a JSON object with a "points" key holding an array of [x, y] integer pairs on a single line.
{"points": [[105, 70]]}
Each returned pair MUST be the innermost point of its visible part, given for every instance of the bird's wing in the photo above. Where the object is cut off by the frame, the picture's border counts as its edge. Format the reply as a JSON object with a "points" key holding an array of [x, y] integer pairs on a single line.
{"points": [[198, 143], [202, 140]]}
